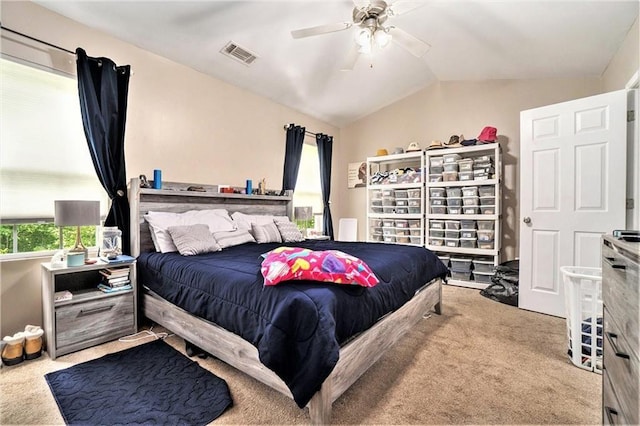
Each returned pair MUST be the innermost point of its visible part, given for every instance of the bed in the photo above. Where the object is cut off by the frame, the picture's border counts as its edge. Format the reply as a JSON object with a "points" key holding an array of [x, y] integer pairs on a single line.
{"points": [[245, 323]]}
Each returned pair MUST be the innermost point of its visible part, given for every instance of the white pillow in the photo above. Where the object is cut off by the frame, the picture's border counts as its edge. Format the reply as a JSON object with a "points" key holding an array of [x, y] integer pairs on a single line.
{"points": [[193, 239], [233, 238], [216, 219], [244, 221], [266, 233], [289, 232]]}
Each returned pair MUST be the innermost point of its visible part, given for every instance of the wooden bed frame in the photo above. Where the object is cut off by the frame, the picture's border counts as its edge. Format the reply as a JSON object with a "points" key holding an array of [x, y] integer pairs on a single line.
{"points": [[356, 356]]}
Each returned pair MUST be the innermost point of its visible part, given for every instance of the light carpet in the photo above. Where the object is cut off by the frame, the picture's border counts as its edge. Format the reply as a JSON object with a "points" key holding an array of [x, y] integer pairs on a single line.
{"points": [[480, 362]]}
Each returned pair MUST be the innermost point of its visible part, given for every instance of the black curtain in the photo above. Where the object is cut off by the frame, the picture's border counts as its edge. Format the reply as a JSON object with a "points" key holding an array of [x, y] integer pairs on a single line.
{"points": [[103, 88], [293, 152], [325, 149]]}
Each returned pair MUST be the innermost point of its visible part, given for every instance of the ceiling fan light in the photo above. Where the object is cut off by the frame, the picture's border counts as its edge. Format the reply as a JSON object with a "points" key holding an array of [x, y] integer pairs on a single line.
{"points": [[382, 38], [363, 36], [364, 49]]}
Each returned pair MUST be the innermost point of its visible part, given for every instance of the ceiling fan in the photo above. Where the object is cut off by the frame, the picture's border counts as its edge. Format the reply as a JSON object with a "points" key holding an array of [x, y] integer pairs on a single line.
{"points": [[370, 19]]}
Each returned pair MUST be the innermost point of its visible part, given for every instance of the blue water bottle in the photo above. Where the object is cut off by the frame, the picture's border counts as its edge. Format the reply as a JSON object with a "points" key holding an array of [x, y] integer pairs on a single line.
{"points": [[249, 187], [157, 179]]}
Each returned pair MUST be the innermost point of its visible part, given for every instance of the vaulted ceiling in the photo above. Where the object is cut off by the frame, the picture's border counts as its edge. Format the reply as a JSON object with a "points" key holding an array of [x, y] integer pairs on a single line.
{"points": [[470, 40]]}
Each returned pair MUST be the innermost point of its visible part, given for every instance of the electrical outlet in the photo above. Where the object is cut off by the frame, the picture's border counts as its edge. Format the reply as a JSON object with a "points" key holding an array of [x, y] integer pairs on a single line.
{"points": [[630, 203]]}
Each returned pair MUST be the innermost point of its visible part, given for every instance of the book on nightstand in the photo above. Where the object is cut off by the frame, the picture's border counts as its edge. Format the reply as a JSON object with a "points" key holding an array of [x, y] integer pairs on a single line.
{"points": [[122, 258], [61, 296], [107, 289]]}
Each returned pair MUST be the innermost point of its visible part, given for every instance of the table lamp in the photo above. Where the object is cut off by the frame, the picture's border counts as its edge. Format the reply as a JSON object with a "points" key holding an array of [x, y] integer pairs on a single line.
{"points": [[76, 213]]}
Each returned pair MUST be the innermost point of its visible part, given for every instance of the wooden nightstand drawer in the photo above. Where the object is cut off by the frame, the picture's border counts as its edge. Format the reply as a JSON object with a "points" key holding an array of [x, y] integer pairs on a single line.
{"points": [[83, 322]]}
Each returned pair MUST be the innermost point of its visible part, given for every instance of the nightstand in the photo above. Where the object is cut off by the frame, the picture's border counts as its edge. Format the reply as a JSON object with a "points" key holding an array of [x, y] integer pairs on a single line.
{"points": [[91, 316]]}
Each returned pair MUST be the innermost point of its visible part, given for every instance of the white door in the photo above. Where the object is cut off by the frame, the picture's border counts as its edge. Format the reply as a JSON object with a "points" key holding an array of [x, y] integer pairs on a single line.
{"points": [[572, 190]]}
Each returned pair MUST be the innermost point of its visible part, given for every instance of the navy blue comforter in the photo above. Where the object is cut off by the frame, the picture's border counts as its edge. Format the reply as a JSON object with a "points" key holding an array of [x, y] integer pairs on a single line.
{"points": [[297, 326]]}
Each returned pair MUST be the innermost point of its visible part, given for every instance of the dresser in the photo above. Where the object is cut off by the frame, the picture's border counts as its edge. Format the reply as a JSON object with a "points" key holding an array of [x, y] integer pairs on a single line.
{"points": [[621, 296]]}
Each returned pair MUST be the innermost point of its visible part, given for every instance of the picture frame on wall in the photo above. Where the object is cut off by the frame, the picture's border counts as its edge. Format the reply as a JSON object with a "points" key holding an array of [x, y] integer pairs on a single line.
{"points": [[357, 175]]}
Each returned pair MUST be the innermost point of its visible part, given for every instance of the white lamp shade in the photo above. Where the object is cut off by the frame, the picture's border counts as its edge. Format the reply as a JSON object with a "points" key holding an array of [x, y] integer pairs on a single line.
{"points": [[77, 213]]}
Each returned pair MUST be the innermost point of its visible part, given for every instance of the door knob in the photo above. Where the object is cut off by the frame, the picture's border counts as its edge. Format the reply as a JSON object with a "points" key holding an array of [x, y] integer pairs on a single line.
{"points": [[527, 220]]}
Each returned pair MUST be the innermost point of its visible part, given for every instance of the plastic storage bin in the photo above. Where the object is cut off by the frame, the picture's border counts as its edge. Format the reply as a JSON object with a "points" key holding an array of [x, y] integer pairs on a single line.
{"points": [[483, 266], [454, 192], [436, 224], [469, 191], [402, 202], [465, 175], [461, 276], [454, 201], [414, 223], [486, 225], [450, 167], [451, 158], [452, 233], [438, 201], [468, 242], [414, 193], [449, 176], [452, 242], [465, 165], [401, 223], [434, 192], [415, 239], [452, 224], [470, 201], [435, 177], [482, 277], [583, 308], [468, 224], [401, 193], [433, 241], [487, 191], [468, 233], [461, 264]]}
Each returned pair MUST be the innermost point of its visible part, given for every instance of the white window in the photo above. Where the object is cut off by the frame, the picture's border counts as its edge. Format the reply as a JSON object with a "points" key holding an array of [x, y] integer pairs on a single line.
{"points": [[308, 192], [43, 155]]}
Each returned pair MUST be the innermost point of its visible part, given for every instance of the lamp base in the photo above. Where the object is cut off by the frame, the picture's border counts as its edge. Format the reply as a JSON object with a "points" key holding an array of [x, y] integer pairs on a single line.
{"points": [[79, 247]]}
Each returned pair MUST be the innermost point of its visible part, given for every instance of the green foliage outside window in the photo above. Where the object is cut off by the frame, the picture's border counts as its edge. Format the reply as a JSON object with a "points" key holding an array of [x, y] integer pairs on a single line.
{"points": [[43, 236]]}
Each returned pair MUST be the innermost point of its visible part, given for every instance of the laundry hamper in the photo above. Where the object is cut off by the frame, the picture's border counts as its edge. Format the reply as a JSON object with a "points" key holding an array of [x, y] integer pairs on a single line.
{"points": [[583, 303]]}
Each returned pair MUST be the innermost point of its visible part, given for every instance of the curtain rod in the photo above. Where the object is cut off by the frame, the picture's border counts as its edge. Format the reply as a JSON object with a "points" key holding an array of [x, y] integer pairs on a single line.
{"points": [[286, 126], [37, 40], [49, 44]]}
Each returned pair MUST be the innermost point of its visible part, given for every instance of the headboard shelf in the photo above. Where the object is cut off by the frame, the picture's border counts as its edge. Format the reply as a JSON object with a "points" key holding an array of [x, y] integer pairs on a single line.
{"points": [[176, 199], [207, 194]]}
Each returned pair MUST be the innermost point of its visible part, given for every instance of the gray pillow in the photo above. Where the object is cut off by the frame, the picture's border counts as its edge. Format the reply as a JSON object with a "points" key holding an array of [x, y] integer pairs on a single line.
{"points": [[193, 239], [266, 233], [233, 238], [289, 232]]}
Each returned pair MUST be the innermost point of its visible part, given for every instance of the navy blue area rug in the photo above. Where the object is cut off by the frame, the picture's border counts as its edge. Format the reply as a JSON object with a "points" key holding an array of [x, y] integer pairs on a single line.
{"points": [[148, 384]]}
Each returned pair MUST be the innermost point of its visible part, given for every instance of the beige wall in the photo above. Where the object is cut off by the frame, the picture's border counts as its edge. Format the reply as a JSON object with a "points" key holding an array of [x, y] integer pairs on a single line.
{"points": [[453, 108], [199, 129], [449, 108], [193, 127], [625, 63]]}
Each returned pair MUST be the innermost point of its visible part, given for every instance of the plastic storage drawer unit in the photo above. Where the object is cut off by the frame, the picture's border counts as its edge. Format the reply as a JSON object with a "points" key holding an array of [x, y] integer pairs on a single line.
{"points": [[483, 278], [461, 263]]}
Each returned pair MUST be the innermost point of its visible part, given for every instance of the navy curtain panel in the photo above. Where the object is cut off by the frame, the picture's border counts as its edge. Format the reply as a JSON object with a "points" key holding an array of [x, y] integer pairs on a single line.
{"points": [[103, 88], [325, 149], [292, 155]]}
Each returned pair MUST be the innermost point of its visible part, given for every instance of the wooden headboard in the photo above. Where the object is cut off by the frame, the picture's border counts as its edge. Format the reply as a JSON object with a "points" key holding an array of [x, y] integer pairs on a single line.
{"points": [[174, 197]]}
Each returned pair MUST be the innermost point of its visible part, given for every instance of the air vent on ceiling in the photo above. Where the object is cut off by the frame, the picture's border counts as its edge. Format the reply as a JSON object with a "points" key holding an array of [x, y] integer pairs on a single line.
{"points": [[238, 53]]}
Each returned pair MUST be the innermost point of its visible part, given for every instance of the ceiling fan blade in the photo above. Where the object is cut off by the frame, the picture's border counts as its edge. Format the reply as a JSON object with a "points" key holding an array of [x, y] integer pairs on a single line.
{"points": [[400, 7], [414, 45], [360, 3], [321, 29], [350, 59]]}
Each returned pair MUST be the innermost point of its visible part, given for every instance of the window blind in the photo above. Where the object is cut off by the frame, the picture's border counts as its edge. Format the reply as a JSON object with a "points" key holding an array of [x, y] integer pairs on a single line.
{"points": [[44, 154]]}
